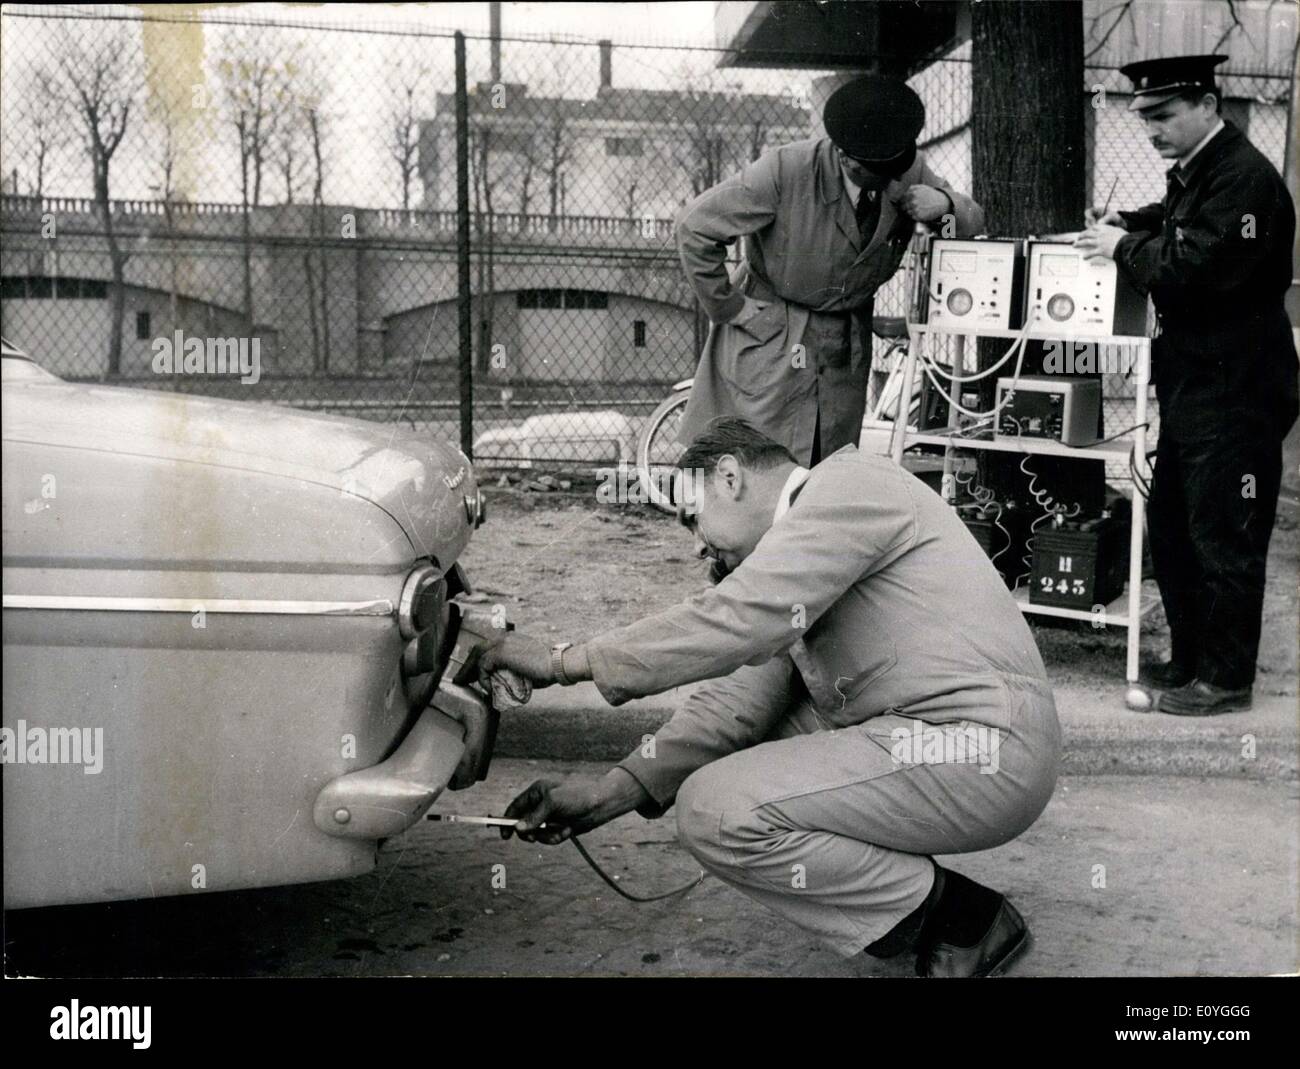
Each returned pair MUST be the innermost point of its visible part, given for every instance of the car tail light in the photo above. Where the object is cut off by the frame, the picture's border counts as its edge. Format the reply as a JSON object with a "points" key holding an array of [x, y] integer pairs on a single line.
{"points": [[475, 509], [420, 605], [424, 621]]}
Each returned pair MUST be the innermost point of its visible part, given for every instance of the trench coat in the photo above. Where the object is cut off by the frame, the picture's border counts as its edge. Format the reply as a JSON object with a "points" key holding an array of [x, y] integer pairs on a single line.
{"points": [[795, 360]]}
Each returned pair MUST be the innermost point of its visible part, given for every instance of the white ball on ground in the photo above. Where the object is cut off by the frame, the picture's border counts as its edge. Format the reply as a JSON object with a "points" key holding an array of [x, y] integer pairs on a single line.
{"points": [[1138, 699]]}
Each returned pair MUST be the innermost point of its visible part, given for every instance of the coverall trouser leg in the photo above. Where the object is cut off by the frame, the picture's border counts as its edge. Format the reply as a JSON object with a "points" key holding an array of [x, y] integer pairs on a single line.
{"points": [[833, 829]]}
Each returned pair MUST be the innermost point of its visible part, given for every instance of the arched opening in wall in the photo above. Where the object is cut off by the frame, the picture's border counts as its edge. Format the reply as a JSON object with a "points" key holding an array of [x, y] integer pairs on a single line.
{"points": [[556, 335], [64, 323]]}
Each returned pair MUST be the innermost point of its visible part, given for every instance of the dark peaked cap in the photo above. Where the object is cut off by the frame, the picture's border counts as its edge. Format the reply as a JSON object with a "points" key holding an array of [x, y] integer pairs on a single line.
{"points": [[1158, 80], [874, 118]]}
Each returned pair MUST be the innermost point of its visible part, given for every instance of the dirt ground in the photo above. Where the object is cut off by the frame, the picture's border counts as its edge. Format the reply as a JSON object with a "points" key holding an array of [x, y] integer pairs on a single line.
{"points": [[1203, 889]]}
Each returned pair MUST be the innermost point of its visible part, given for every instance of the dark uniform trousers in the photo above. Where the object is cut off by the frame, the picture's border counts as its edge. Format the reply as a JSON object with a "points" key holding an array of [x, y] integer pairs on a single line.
{"points": [[1213, 501], [1216, 258]]}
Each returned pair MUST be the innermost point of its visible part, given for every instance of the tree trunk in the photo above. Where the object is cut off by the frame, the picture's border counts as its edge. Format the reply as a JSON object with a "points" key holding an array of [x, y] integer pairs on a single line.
{"points": [[117, 291], [318, 211], [246, 231], [1028, 160]]}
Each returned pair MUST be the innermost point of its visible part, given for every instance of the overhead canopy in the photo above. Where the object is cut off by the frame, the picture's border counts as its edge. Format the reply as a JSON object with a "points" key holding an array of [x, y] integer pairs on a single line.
{"points": [[892, 36]]}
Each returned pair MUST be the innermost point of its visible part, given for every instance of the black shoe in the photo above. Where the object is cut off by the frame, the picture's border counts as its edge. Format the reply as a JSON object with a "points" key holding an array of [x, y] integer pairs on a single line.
{"points": [[1006, 939], [1199, 698], [1167, 676]]}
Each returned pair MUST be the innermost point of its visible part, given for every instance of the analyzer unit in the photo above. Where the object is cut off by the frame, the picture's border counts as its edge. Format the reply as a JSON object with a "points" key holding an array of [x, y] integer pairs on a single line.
{"points": [[976, 283], [1066, 295], [1058, 408]]}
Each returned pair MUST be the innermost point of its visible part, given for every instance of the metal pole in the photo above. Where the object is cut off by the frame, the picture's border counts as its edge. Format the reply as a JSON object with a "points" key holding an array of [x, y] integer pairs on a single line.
{"points": [[1137, 515], [463, 311], [948, 485]]}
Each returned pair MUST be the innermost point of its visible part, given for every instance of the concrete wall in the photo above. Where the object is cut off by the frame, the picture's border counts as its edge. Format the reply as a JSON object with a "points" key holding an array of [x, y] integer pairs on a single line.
{"points": [[556, 344]]}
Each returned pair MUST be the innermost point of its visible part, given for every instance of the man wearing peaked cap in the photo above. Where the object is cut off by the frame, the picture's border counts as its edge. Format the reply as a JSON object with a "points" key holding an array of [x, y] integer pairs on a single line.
{"points": [[823, 224], [1156, 81], [1215, 255]]}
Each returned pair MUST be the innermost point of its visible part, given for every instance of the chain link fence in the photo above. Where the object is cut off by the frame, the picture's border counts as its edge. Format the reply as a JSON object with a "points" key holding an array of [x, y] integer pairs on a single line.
{"points": [[268, 211]]}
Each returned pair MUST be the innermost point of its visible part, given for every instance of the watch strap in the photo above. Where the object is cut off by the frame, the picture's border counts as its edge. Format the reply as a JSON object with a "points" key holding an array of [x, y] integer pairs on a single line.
{"points": [[557, 663]]}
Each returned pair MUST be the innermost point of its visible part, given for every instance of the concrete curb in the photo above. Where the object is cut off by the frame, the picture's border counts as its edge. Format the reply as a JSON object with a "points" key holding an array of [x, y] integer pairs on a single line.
{"points": [[575, 724]]}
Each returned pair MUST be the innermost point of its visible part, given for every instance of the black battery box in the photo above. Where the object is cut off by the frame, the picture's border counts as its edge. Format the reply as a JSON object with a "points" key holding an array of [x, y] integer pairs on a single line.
{"points": [[1080, 565]]}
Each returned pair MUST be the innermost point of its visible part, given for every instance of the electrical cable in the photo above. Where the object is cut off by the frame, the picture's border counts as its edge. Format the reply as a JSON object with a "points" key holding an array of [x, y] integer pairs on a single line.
{"points": [[1052, 509], [985, 499], [1019, 340], [1117, 434], [1139, 480], [683, 889], [928, 366]]}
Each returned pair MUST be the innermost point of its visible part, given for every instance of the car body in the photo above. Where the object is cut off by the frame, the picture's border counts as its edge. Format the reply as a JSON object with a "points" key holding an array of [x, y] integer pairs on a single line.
{"points": [[244, 611]]}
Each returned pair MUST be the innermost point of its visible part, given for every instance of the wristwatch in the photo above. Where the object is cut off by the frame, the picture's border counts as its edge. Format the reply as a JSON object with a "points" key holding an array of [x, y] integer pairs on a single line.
{"points": [[557, 663]]}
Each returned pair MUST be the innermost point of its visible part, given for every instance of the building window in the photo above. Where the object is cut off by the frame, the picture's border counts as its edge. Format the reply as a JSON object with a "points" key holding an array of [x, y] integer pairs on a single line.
{"points": [[44, 287], [553, 298], [622, 146], [586, 299], [142, 331], [638, 333]]}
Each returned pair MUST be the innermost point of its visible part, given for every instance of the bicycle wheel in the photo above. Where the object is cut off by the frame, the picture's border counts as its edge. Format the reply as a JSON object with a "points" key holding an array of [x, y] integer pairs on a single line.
{"points": [[657, 450]]}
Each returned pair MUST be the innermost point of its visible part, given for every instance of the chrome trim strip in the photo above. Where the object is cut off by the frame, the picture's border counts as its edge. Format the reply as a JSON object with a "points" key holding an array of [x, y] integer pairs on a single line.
{"points": [[243, 606]]}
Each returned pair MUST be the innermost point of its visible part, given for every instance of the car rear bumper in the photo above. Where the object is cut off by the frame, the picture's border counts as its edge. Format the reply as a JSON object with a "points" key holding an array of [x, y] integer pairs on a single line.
{"points": [[385, 800]]}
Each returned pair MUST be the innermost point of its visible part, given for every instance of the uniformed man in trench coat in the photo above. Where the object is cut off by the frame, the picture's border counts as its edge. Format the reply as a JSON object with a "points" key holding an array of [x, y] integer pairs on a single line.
{"points": [[1215, 255], [874, 697], [824, 224]]}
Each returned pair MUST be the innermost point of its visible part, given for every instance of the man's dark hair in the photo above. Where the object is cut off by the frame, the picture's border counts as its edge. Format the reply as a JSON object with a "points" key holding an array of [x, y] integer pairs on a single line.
{"points": [[1193, 96], [729, 435]]}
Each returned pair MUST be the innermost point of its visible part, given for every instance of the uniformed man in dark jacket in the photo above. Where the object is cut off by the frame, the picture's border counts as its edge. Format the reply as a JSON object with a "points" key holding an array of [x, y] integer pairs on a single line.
{"points": [[1215, 256]]}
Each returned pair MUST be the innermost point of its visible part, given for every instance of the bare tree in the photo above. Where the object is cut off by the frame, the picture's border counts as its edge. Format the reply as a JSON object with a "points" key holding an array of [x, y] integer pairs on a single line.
{"points": [[41, 125], [168, 124], [528, 150], [288, 151], [255, 82], [483, 180], [705, 150], [559, 151], [402, 125], [309, 111], [254, 88], [102, 75]]}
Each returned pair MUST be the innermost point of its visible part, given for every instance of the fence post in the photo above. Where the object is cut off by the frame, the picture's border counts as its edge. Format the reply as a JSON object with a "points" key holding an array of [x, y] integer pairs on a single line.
{"points": [[463, 312]]}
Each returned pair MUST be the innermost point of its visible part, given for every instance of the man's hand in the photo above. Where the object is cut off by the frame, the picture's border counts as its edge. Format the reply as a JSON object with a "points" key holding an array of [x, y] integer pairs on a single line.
{"points": [[1093, 216], [530, 657], [1098, 241], [572, 807], [567, 809], [925, 204]]}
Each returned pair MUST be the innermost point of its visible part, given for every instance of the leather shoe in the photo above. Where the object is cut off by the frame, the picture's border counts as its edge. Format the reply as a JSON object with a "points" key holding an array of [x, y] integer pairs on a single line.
{"points": [[1167, 676], [1199, 698], [1006, 939]]}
